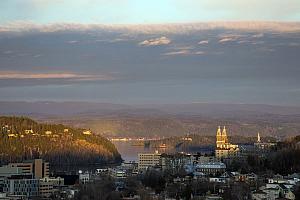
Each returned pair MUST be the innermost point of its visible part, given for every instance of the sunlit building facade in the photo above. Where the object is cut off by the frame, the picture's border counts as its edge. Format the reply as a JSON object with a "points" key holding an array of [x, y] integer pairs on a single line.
{"points": [[224, 149]]}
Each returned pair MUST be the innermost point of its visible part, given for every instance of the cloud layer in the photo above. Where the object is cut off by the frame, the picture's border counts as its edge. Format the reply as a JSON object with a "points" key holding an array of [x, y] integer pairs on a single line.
{"points": [[25, 27], [63, 75], [245, 62], [156, 41]]}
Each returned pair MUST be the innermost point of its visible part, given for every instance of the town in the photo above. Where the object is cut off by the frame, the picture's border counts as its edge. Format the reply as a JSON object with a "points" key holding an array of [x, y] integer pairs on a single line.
{"points": [[159, 176], [149, 100]]}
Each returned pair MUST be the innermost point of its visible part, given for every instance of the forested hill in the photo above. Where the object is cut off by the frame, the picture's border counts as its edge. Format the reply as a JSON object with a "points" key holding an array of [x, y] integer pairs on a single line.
{"points": [[22, 138]]}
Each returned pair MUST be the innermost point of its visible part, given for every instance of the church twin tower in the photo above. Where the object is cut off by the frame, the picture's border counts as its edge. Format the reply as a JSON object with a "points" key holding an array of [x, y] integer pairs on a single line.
{"points": [[223, 148], [221, 137]]}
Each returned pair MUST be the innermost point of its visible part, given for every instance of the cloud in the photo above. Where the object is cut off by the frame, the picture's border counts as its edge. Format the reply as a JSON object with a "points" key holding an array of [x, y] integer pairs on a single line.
{"points": [[243, 41], [182, 47], [37, 55], [258, 43], [184, 52], [173, 53], [8, 52], [259, 35], [203, 42], [72, 41], [231, 37], [199, 52], [156, 41], [294, 44], [27, 27], [226, 39], [5, 75]]}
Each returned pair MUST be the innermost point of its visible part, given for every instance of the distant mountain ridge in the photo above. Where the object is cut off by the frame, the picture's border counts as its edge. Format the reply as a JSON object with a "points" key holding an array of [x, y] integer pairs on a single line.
{"points": [[117, 120], [77, 108]]}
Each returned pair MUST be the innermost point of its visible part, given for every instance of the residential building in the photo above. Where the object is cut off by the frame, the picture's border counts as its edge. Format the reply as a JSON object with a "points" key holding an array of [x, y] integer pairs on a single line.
{"points": [[175, 161], [146, 160], [117, 172], [37, 167], [21, 185], [84, 178], [48, 132], [211, 168], [259, 195], [28, 131], [7, 171], [45, 187], [87, 132]]}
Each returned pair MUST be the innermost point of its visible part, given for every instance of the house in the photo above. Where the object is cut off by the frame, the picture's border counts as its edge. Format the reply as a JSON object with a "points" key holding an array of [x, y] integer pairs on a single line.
{"points": [[48, 132], [213, 197], [28, 131], [84, 178], [289, 195], [87, 132], [275, 191], [259, 195], [217, 180], [11, 135], [117, 172]]}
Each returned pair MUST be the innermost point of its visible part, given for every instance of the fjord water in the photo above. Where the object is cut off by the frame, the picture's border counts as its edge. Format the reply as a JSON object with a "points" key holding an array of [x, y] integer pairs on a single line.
{"points": [[129, 151]]}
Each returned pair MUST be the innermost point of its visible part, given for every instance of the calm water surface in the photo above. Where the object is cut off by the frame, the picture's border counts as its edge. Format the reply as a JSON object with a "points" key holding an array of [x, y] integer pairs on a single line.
{"points": [[130, 152]]}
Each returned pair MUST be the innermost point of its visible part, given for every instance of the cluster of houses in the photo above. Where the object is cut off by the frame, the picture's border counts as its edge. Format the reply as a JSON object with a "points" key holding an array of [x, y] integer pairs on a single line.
{"points": [[7, 130], [204, 169], [278, 187]]}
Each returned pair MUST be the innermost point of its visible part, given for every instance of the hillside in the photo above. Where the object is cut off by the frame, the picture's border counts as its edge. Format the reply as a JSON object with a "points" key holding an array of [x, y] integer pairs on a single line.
{"points": [[22, 138]]}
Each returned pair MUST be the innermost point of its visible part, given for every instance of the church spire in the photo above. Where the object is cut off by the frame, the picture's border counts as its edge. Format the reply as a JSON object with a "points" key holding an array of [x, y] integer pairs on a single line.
{"points": [[219, 131], [224, 131], [258, 138]]}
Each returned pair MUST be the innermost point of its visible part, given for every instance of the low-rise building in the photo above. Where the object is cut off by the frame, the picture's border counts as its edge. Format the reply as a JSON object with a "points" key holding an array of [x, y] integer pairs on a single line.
{"points": [[117, 172], [211, 168], [259, 195], [84, 178]]}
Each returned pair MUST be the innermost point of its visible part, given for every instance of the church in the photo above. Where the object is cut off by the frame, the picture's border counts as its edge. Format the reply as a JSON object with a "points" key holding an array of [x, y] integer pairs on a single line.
{"points": [[223, 148]]}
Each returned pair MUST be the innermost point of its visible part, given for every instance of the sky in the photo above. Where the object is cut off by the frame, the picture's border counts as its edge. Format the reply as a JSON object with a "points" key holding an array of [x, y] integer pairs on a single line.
{"points": [[218, 51], [145, 11]]}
